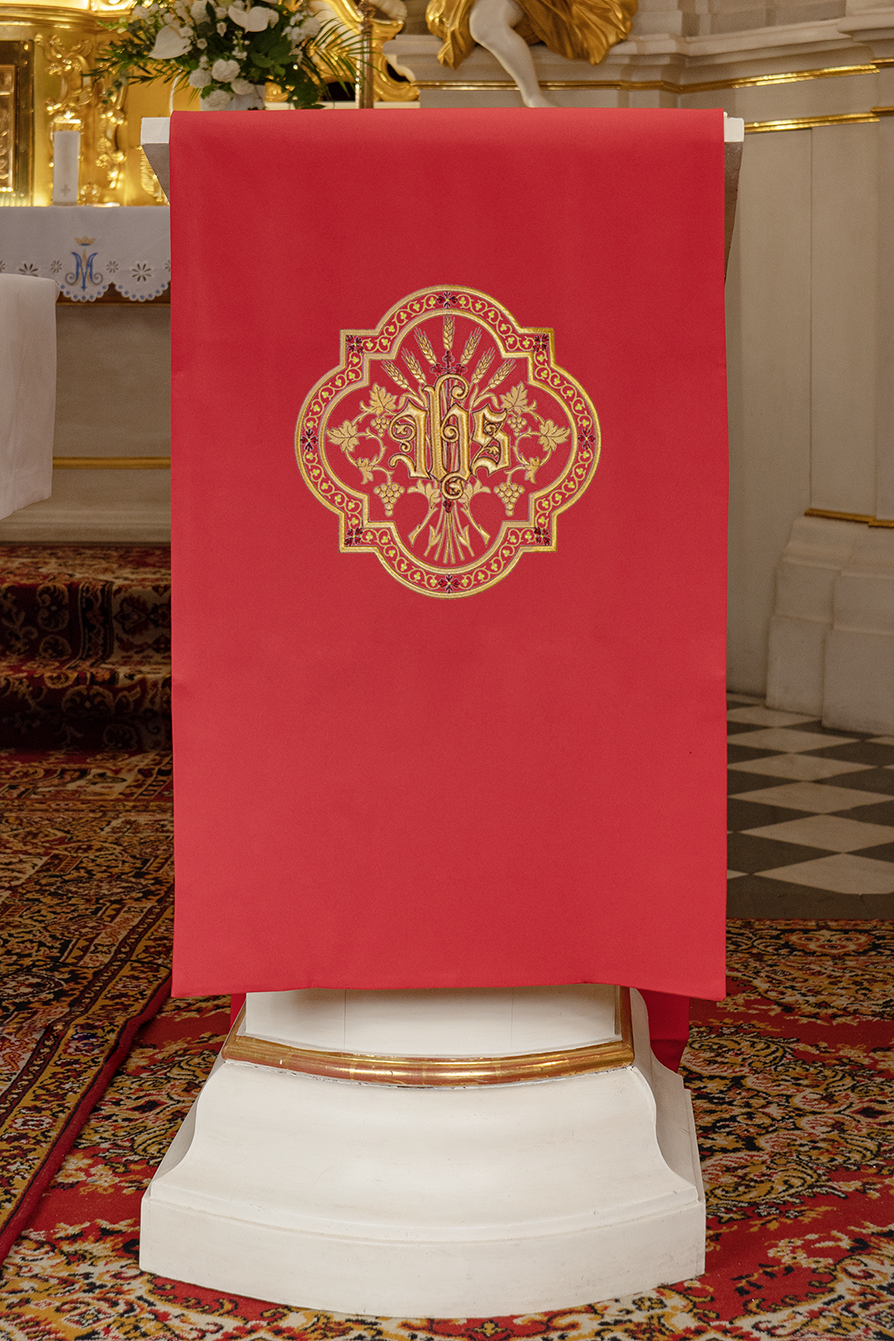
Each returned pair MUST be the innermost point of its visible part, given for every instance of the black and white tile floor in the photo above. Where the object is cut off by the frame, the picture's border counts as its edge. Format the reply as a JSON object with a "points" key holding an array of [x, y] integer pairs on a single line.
{"points": [[811, 817]]}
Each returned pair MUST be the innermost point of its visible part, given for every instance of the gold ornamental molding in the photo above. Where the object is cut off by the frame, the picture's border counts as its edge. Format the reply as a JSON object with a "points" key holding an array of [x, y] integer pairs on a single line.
{"points": [[424, 1072], [808, 122], [751, 127], [668, 85], [859, 517], [111, 463], [787, 77]]}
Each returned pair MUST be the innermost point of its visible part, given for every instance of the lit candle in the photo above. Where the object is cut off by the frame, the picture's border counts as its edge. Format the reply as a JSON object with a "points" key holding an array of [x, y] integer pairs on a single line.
{"points": [[66, 161]]}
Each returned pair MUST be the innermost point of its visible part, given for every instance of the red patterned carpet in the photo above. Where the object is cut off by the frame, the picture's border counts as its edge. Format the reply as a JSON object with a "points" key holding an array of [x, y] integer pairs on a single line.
{"points": [[85, 929], [85, 646], [791, 1078]]}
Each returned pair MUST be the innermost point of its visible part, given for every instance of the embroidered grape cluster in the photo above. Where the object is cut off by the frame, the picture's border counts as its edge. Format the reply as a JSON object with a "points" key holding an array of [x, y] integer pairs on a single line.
{"points": [[509, 492], [389, 492]]}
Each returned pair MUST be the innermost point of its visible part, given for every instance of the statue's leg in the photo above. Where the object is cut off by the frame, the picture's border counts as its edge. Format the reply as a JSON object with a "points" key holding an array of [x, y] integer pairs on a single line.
{"points": [[492, 24]]}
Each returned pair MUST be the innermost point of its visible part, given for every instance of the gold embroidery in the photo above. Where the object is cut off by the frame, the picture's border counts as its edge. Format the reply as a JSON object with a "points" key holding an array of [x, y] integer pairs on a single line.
{"points": [[495, 441]]}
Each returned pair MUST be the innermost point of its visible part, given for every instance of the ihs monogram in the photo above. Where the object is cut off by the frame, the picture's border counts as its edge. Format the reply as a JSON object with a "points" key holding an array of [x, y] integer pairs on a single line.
{"points": [[464, 410]]}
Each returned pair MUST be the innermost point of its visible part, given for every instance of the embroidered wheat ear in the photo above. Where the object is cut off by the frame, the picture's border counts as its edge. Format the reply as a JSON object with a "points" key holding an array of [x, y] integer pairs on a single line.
{"points": [[413, 365], [483, 364], [424, 344], [396, 375], [471, 345], [448, 333], [503, 370]]}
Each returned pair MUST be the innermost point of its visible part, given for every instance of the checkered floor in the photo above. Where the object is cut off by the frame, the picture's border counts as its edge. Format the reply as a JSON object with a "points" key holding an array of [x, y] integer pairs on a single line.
{"points": [[811, 817]]}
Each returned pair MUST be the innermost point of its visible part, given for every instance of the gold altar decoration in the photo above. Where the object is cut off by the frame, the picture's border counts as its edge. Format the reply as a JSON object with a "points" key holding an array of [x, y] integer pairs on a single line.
{"points": [[46, 54], [385, 87]]}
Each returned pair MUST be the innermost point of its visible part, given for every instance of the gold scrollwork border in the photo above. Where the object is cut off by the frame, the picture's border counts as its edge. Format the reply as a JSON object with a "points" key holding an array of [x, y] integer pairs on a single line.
{"points": [[424, 1072]]}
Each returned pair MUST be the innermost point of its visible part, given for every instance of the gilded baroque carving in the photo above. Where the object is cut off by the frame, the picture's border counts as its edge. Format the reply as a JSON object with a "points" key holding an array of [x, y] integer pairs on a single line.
{"points": [[110, 157], [71, 64], [91, 106], [385, 87], [7, 127]]}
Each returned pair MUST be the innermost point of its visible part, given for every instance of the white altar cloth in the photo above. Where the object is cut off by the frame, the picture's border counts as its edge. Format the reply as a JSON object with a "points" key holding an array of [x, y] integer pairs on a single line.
{"points": [[27, 390], [88, 248]]}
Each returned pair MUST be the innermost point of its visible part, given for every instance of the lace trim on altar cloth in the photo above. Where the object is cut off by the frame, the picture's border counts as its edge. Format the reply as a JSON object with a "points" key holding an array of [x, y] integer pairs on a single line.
{"points": [[88, 249]]}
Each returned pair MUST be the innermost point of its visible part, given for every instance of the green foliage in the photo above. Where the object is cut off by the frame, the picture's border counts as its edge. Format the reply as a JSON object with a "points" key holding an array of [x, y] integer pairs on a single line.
{"points": [[225, 50]]}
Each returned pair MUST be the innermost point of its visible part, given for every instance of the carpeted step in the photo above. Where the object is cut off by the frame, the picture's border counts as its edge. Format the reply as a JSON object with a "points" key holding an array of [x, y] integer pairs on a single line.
{"points": [[85, 638]]}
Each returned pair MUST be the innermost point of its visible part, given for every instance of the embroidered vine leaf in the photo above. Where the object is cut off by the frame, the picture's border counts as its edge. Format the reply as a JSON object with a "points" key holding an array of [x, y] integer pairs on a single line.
{"points": [[381, 403], [515, 401], [345, 436], [551, 435]]}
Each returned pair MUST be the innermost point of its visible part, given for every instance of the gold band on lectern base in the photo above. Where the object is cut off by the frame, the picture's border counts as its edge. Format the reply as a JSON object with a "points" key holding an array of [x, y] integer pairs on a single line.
{"points": [[863, 518], [371, 1069]]}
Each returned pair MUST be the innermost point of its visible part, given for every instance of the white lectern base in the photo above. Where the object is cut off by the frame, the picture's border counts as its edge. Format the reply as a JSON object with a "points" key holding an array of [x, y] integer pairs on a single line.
{"points": [[432, 1198]]}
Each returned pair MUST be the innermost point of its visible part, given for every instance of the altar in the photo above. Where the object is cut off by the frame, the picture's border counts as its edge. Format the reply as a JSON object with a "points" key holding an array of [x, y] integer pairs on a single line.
{"points": [[90, 251], [111, 270]]}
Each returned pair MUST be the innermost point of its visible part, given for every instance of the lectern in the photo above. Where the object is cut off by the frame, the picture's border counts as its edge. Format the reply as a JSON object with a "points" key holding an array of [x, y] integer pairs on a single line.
{"points": [[448, 552]]}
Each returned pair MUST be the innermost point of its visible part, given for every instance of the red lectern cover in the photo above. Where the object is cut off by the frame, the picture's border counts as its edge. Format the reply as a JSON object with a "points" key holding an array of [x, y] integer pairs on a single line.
{"points": [[449, 549]]}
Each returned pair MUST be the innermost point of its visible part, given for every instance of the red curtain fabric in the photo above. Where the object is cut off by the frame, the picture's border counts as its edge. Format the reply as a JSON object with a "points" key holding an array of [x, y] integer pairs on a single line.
{"points": [[382, 786]]}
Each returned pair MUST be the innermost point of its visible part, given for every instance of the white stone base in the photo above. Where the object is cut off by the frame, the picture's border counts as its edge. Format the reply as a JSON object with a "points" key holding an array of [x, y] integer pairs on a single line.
{"points": [[454, 1202], [832, 635]]}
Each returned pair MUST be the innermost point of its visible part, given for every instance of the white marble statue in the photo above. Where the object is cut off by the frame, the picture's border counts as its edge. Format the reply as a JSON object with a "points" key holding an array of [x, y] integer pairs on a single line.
{"points": [[576, 29]]}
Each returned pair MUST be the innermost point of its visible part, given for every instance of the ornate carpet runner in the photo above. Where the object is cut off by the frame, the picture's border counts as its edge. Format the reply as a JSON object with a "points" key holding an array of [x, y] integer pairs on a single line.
{"points": [[791, 1082], [85, 912], [85, 646]]}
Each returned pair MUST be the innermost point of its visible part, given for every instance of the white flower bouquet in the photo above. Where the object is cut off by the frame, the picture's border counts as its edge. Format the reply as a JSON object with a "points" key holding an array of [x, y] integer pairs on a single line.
{"points": [[229, 51]]}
